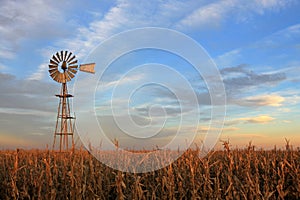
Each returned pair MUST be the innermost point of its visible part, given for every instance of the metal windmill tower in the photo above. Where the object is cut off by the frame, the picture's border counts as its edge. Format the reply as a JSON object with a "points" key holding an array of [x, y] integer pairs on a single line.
{"points": [[62, 68]]}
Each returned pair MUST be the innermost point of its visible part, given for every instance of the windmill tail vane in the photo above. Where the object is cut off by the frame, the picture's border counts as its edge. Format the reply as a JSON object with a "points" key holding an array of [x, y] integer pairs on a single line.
{"points": [[87, 68], [62, 68]]}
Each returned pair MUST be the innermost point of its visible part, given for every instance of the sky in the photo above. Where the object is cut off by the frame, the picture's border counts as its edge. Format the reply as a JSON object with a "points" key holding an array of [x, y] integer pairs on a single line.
{"points": [[255, 45]]}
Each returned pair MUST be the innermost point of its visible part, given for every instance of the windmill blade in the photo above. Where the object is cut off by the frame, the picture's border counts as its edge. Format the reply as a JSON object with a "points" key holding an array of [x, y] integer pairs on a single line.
{"points": [[55, 59], [87, 68], [65, 56], [52, 66], [68, 56], [70, 59], [72, 70], [61, 78], [57, 55], [52, 62], [71, 75], [73, 66], [72, 63], [57, 78], [62, 55], [54, 75], [52, 70], [67, 77]]}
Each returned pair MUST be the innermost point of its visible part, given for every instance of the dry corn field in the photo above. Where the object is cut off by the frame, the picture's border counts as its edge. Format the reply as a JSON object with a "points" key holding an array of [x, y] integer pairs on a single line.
{"points": [[228, 174]]}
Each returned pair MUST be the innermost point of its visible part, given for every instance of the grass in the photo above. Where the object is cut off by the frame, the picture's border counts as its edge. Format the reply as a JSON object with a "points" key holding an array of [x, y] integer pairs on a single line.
{"points": [[229, 174]]}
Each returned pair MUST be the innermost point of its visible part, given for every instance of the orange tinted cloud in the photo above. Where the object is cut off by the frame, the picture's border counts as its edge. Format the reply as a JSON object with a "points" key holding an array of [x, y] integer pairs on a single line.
{"points": [[262, 119], [207, 128], [262, 100]]}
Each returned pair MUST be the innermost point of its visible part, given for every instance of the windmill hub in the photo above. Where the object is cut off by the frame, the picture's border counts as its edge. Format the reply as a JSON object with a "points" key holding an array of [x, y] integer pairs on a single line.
{"points": [[64, 66]]}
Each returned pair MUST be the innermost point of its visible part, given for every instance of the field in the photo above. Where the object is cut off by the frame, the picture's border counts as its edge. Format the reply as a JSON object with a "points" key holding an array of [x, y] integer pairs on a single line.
{"points": [[229, 174]]}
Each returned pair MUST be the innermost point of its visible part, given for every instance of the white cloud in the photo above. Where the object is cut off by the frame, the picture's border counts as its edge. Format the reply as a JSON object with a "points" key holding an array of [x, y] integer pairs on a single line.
{"points": [[30, 19], [228, 58], [103, 86], [270, 4], [208, 15], [212, 15], [40, 74], [2, 66]]}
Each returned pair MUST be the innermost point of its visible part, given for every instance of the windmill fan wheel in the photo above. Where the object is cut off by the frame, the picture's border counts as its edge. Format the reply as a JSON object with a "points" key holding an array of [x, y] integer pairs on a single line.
{"points": [[63, 66]]}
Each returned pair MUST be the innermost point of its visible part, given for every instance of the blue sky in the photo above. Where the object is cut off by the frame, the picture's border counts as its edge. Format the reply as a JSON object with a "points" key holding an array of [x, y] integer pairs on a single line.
{"points": [[255, 45]]}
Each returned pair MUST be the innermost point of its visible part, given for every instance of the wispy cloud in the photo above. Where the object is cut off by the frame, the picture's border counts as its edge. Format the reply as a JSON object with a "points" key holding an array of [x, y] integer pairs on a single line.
{"points": [[208, 15], [284, 38], [105, 85], [261, 119], [2, 66], [25, 94], [205, 129], [239, 77], [40, 73], [31, 20], [261, 100], [214, 14], [21, 111], [228, 58]]}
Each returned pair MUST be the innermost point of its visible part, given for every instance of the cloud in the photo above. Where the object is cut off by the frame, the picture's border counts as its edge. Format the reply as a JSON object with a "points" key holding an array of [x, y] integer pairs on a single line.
{"points": [[282, 39], [26, 94], [157, 111], [27, 112], [117, 82], [208, 15], [34, 20], [261, 100], [262, 119], [287, 121], [40, 73], [214, 14], [285, 110], [2, 66], [228, 58], [122, 16], [239, 78], [205, 129], [163, 134]]}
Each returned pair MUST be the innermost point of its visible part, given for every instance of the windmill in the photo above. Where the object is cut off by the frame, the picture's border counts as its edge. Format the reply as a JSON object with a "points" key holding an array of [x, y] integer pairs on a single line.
{"points": [[62, 68]]}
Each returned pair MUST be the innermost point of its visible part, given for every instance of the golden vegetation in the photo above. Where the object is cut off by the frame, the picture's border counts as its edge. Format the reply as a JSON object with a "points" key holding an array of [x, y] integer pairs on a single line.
{"points": [[228, 174]]}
